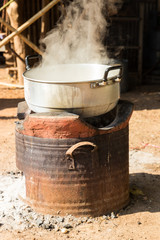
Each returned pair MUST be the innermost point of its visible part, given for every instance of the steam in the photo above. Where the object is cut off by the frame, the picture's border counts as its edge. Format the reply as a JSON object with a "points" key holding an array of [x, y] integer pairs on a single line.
{"points": [[79, 38]]}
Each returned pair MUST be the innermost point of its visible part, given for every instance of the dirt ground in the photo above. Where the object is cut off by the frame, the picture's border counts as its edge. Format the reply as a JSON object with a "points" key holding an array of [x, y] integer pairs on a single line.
{"points": [[141, 218]]}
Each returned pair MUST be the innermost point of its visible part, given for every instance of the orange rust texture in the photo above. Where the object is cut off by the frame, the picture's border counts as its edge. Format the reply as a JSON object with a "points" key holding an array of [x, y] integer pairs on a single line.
{"points": [[48, 195], [68, 127]]}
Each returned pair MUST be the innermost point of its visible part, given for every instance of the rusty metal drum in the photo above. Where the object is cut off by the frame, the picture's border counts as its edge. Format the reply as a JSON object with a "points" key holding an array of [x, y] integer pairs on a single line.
{"points": [[73, 167]]}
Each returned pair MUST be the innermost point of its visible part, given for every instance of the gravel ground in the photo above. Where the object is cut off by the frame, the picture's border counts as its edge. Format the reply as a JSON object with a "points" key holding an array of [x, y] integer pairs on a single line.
{"points": [[16, 215]]}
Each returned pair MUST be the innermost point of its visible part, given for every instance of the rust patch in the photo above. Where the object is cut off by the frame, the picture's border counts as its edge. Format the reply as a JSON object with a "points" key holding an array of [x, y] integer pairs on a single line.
{"points": [[72, 126], [56, 128]]}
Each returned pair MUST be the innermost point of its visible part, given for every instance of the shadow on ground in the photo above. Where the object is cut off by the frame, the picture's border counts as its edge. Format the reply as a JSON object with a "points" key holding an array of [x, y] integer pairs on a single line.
{"points": [[144, 194], [9, 103], [144, 97]]}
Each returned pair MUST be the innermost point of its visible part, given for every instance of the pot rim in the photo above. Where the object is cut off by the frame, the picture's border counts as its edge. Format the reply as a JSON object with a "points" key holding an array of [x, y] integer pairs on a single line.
{"points": [[70, 82], [60, 82]]}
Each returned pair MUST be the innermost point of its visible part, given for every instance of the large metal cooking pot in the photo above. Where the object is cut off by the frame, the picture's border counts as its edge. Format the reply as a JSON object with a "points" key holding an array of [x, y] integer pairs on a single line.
{"points": [[84, 89]]}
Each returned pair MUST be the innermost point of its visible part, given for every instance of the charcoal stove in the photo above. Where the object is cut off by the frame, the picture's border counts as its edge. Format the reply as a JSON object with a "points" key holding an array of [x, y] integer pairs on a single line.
{"points": [[74, 165]]}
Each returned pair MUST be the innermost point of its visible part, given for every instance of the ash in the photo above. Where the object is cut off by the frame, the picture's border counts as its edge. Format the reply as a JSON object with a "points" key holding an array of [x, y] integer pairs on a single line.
{"points": [[15, 215]]}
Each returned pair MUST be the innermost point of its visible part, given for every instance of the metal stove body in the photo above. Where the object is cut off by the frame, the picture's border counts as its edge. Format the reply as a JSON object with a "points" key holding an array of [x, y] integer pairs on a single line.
{"points": [[72, 165]]}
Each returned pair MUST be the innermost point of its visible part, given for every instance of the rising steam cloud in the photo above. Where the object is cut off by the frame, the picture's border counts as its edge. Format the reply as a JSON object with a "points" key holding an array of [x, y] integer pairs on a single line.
{"points": [[78, 39]]}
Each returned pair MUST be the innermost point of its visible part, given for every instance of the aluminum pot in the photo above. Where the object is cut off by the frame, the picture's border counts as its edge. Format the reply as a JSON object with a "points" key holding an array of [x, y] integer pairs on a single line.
{"points": [[84, 89]]}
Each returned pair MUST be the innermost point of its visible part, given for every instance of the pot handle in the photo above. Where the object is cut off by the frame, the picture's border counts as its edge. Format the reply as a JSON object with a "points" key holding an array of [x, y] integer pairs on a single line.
{"points": [[110, 80], [29, 57], [69, 153], [116, 78]]}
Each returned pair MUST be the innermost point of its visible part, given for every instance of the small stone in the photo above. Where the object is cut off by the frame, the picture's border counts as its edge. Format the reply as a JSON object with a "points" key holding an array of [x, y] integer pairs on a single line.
{"points": [[47, 217], [84, 220], [68, 226], [64, 230], [139, 223], [60, 219], [39, 222], [47, 222], [70, 217], [1, 198], [31, 225], [90, 220], [46, 226], [1, 192], [113, 215], [106, 217], [29, 210], [79, 222], [56, 228], [30, 218], [52, 221]]}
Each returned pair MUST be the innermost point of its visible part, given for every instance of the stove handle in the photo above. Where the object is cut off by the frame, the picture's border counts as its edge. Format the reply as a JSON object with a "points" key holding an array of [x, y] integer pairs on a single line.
{"points": [[116, 78], [69, 153], [30, 57]]}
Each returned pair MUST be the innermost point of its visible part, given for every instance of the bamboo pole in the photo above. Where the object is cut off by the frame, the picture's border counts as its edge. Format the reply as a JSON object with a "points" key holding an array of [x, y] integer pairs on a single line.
{"points": [[29, 22], [27, 11], [17, 55], [6, 5], [11, 85], [34, 28], [29, 43], [44, 20]]}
